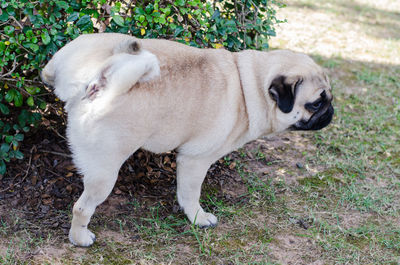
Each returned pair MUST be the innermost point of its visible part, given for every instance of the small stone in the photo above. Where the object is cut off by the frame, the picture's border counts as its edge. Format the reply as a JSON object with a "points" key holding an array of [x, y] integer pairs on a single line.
{"points": [[299, 165]]}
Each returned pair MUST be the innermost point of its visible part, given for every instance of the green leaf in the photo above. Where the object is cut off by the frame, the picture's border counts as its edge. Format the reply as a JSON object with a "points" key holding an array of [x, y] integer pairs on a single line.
{"points": [[178, 30], [10, 95], [149, 9], [21, 37], [215, 15], [265, 46], [116, 8], [161, 20], [166, 10], [9, 30], [16, 127], [84, 23], [230, 23], [9, 139], [18, 154], [4, 148], [43, 105], [19, 137], [46, 39], [119, 20], [14, 144], [18, 99], [74, 16], [30, 102], [29, 34], [62, 4], [32, 90], [3, 15], [2, 167], [6, 128], [180, 2], [32, 46], [4, 109]]}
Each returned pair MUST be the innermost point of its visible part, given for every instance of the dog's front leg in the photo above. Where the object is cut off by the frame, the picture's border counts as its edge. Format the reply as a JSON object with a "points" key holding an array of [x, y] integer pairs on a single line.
{"points": [[190, 175], [98, 184]]}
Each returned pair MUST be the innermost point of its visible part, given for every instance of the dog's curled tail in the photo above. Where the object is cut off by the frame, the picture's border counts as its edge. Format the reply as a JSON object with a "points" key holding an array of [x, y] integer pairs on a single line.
{"points": [[47, 75], [129, 64], [128, 46]]}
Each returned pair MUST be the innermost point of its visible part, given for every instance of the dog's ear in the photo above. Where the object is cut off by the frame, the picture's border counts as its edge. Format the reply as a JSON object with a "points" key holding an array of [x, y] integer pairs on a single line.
{"points": [[283, 93]]}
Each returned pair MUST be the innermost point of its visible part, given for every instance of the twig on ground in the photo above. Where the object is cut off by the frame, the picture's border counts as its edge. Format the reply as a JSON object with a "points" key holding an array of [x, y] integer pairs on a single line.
{"points": [[29, 164], [56, 153], [54, 173]]}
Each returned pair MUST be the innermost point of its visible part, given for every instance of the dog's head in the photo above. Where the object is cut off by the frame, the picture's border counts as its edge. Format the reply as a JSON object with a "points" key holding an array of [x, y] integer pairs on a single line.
{"points": [[302, 93]]}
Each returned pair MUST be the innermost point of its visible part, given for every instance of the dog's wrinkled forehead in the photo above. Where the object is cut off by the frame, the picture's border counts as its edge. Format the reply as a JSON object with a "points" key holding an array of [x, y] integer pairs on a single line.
{"points": [[313, 84], [319, 81]]}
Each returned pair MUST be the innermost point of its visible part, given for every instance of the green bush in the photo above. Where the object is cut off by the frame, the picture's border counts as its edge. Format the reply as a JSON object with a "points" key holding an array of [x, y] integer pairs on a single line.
{"points": [[30, 32]]}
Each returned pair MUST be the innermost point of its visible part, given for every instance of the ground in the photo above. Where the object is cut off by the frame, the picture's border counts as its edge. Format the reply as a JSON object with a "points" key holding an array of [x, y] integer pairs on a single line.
{"points": [[330, 197]]}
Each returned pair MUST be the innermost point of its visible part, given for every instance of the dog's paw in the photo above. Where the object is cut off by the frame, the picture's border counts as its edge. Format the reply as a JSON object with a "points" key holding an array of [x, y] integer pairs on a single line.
{"points": [[204, 220], [81, 237]]}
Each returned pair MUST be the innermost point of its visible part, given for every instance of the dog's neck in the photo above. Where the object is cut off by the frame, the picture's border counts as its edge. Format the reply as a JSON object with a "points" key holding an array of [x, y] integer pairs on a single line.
{"points": [[254, 97]]}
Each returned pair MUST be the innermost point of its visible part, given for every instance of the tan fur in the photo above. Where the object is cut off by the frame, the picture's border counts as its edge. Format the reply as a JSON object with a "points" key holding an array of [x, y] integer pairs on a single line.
{"points": [[204, 103]]}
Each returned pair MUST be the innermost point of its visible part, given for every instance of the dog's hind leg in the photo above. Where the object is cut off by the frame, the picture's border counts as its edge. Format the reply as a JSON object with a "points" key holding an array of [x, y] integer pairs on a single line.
{"points": [[100, 175], [190, 175]]}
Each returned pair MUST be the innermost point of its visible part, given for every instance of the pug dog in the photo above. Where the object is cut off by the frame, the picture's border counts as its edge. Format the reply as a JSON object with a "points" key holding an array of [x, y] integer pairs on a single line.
{"points": [[122, 93]]}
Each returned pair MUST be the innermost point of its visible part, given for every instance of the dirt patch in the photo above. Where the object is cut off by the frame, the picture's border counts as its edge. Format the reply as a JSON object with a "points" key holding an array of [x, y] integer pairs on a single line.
{"points": [[353, 219], [51, 254], [114, 236], [284, 157], [291, 250]]}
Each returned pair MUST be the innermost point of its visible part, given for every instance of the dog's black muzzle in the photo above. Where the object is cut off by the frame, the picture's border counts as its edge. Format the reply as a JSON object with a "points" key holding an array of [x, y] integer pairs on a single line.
{"points": [[317, 121]]}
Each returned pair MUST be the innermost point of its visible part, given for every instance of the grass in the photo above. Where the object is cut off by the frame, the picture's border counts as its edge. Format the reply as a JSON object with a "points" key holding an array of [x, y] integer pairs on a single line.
{"points": [[340, 206]]}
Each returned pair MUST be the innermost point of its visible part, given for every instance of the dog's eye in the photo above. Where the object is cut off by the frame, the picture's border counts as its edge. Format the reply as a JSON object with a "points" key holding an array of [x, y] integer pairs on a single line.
{"points": [[315, 106]]}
